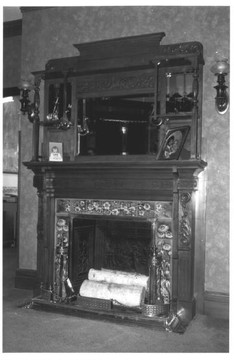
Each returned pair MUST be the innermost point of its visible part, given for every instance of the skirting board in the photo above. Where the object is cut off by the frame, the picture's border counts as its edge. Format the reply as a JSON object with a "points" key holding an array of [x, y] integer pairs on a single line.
{"points": [[26, 279], [216, 305]]}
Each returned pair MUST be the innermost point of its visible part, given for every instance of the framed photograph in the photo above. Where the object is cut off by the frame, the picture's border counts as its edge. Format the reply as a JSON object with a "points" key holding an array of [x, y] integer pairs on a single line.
{"points": [[173, 143], [55, 151]]}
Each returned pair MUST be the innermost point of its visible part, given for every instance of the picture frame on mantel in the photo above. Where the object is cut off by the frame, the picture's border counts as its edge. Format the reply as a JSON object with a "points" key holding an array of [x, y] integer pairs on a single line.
{"points": [[55, 151], [173, 143]]}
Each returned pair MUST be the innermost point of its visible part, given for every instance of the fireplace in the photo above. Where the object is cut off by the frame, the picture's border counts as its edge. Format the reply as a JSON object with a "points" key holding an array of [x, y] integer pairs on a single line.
{"points": [[123, 198], [97, 221], [110, 234]]}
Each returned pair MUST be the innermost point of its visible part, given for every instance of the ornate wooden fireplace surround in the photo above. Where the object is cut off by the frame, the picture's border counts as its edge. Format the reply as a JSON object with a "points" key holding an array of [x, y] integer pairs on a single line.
{"points": [[137, 180]]}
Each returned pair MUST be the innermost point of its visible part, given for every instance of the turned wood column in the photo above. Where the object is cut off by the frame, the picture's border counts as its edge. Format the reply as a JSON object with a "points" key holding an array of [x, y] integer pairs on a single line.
{"points": [[44, 182], [50, 199], [195, 152]]}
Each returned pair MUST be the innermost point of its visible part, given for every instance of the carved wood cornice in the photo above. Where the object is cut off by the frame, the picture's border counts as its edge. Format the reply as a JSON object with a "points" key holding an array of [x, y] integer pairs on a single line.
{"points": [[186, 50], [101, 56], [125, 53], [117, 47], [140, 162], [142, 179]]}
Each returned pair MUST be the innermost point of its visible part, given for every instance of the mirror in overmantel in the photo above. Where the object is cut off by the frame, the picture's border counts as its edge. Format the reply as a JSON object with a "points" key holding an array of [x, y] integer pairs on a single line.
{"points": [[114, 125], [127, 125]]}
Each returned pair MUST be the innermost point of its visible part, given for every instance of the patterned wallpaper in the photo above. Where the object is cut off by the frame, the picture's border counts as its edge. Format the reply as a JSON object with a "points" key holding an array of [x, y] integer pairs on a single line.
{"points": [[11, 61], [51, 33], [10, 128]]}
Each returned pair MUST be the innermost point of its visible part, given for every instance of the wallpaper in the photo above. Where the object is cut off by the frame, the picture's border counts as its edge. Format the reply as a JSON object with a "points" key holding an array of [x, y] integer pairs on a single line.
{"points": [[11, 132], [51, 33], [11, 61]]}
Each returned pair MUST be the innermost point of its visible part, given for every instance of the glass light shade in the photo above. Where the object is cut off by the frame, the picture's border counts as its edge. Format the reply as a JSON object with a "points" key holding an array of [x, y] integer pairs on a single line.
{"points": [[220, 67], [25, 85]]}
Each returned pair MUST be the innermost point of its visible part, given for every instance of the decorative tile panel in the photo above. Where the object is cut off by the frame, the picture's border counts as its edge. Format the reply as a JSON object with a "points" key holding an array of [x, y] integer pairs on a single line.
{"points": [[121, 208]]}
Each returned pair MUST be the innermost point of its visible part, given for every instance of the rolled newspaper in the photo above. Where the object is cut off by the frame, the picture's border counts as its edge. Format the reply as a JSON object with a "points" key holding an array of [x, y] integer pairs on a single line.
{"points": [[118, 277], [127, 295]]}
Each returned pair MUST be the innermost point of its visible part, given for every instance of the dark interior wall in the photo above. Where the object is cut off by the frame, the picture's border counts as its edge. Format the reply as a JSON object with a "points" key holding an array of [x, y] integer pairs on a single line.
{"points": [[51, 33]]}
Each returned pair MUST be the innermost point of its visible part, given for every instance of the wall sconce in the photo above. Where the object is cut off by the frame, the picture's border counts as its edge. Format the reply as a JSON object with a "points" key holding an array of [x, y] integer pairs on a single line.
{"points": [[221, 69], [26, 106], [32, 109]]}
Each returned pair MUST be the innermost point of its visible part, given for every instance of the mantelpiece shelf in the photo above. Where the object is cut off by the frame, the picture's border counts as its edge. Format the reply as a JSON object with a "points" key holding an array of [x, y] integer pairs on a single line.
{"points": [[116, 161]]}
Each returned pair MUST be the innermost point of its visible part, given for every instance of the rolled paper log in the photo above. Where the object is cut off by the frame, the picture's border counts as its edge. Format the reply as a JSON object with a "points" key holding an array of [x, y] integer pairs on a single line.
{"points": [[127, 295], [118, 277]]}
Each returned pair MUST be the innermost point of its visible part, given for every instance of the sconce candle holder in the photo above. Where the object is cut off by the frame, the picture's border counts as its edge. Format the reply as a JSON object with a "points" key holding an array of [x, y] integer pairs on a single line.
{"points": [[32, 110], [221, 69], [25, 102]]}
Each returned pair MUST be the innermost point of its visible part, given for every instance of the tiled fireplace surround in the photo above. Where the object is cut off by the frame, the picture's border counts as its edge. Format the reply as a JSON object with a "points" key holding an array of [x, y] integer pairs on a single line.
{"points": [[138, 189]]}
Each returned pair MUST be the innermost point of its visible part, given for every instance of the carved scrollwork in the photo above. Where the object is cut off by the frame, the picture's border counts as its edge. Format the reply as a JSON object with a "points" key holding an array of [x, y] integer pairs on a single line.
{"points": [[185, 198], [116, 82], [182, 48], [61, 255], [185, 230]]}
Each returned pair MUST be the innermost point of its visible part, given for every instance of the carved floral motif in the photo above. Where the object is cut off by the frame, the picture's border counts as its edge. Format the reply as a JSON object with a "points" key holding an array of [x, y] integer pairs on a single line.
{"points": [[164, 244], [182, 48], [116, 82], [185, 230]]}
